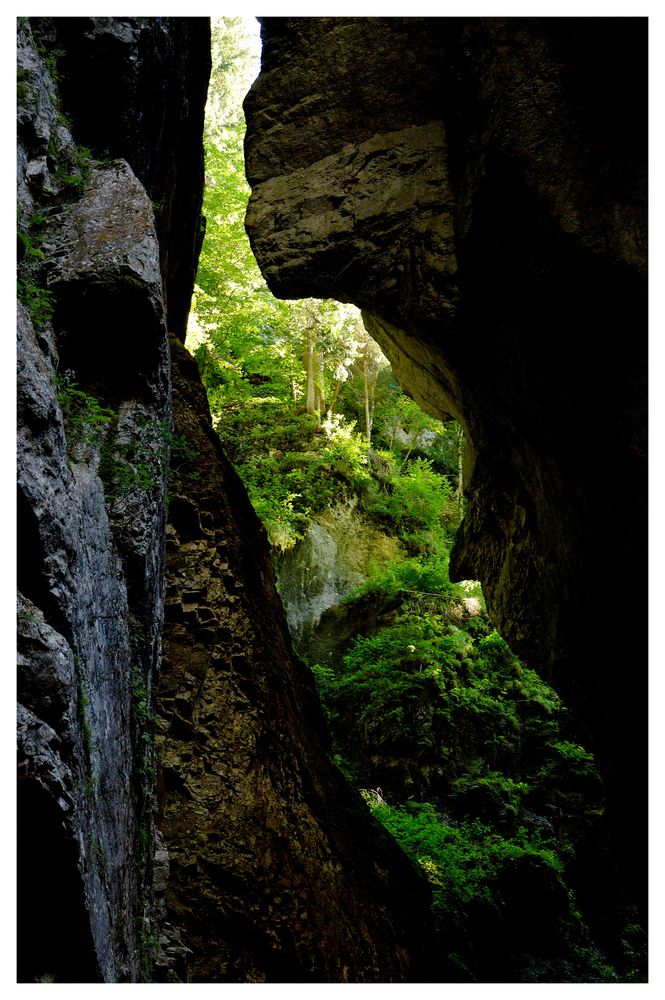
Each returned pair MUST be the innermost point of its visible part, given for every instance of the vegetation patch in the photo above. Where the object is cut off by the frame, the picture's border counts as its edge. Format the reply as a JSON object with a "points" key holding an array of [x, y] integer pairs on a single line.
{"points": [[30, 285]]}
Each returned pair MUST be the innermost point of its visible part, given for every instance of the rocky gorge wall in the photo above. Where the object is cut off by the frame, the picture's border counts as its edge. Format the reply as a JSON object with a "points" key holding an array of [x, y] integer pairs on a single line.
{"points": [[90, 551], [463, 182], [477, 187], [179, 818]]}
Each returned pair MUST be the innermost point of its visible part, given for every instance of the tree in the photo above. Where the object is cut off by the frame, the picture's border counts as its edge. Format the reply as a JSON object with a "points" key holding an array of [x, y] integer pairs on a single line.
{"points": [[235, 63], [289, 382], [366, 366]]}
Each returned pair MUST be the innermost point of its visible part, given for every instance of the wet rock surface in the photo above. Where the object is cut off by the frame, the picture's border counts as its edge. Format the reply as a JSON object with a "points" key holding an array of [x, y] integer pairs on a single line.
{"points": [[502, 295]]}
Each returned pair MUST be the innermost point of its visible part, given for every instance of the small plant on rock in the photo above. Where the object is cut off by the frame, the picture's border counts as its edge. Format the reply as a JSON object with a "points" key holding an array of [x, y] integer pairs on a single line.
{"points": [[86, 420]]}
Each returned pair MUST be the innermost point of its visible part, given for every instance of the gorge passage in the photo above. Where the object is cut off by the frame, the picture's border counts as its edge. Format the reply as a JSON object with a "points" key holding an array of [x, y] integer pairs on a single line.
{"points": [[477, 187]]}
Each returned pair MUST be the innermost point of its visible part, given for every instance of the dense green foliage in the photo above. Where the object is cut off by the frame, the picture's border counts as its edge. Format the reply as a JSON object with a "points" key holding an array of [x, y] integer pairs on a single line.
{"points": [[511, 883], [468, 759]]}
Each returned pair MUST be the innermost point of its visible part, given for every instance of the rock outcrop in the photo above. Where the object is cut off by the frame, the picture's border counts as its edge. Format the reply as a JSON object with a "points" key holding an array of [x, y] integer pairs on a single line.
{"points": [[336, 555], [477, 186], [136, 88]]}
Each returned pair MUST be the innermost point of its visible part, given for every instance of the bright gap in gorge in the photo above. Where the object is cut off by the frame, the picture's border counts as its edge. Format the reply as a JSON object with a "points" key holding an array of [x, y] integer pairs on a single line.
{"points": [[469, 759]]}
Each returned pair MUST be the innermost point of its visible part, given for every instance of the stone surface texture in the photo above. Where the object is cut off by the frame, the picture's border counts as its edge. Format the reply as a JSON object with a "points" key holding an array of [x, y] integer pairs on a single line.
{"points": [[337, 554], [90, 556], [477, 186], [278, 871], [135, 88]]}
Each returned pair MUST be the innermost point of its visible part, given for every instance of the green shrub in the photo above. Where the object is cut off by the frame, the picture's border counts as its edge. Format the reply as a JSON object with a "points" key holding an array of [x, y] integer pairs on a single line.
{"points": [[421, 578], [39, 301], [573, 753], [508, 793], [30, 286], [460, 861], [86, 420], [418, 502]]}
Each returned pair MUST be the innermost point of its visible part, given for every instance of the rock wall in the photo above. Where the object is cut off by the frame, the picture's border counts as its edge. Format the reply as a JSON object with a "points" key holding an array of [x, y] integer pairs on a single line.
{"points": [[477, 187], [278, 871], [336, 555], [136, 88], [90, 551]]}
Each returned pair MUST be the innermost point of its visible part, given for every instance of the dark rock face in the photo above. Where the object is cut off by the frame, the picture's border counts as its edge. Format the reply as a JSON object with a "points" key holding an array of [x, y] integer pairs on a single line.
{"points": [[478, 188], [90, 553], [278, 872], [136, 88]]}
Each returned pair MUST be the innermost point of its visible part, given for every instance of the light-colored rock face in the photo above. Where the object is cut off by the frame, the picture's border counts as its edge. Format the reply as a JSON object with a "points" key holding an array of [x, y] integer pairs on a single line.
{"points": [[108, 234], [105, 275], [506, 286], [336, 555]]}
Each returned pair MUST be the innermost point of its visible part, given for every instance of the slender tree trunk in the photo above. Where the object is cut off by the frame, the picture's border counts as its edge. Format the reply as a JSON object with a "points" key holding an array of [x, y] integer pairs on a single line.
{"points": [[319, 396], [368, 416], [310, 401], [459, 493], [335, 396]]}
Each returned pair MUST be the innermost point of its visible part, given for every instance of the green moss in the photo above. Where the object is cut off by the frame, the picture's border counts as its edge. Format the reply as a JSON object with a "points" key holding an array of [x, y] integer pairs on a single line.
{"points": [[141, 464], [143, 728], [22, 91]]}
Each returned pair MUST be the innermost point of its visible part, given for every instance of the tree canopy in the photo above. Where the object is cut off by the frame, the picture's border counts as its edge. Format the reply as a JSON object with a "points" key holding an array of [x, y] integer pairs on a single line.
{"points": [[304, 400]]}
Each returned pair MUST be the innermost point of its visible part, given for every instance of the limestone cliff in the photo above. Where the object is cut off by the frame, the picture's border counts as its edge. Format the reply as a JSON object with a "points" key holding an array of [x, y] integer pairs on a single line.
{"points": [[268, 865], [477, 186]]}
